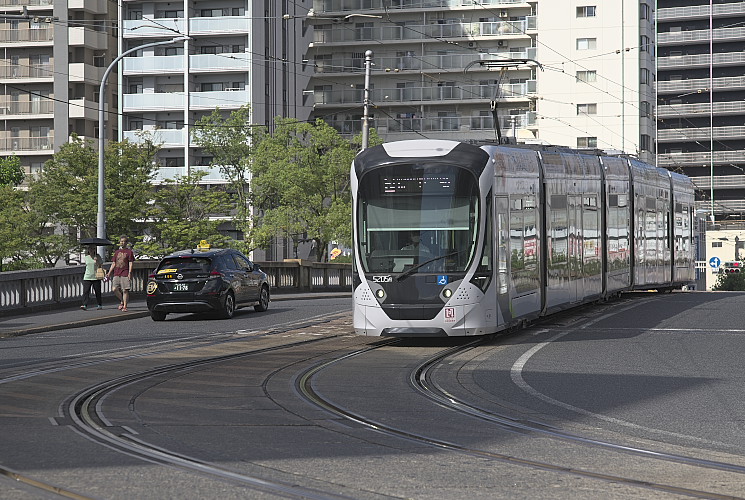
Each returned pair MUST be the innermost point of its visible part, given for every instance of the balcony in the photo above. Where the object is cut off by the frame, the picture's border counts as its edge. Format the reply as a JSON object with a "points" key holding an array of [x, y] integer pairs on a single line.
{"points": [[430, 95], [700, 158], [27, 109], [41, 35], [438, 124], [163, 101], [683, 110], [348, 64], [720, 182], [701, 61], [165, 137], [26, 72], [82, 37], [213, 174], [198, 63], [92, 6], [27, 3], [15, 144], [227, 25], [700, 12], [85, 73], [83, 109], [699, 134], [429, 32], [327, 6], [696, 84], [685, 37]]}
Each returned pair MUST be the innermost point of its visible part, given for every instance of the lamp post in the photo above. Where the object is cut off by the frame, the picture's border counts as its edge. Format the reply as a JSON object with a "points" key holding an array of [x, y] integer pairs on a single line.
{"points": [[366, 102], [101, 220]]}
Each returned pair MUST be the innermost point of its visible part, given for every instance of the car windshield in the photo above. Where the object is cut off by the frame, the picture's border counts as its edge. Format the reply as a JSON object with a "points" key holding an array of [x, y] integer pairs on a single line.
{"points": [[185, 265]]}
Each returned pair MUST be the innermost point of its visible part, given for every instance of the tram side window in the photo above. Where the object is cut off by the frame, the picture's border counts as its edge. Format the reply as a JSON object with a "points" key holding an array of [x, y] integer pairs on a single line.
{"points": [[524, 243]]}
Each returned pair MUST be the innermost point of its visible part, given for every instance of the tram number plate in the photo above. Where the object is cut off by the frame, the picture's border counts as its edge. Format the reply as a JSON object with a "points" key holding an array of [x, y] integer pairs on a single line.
{"points": [[449, 315], [181, 287]]}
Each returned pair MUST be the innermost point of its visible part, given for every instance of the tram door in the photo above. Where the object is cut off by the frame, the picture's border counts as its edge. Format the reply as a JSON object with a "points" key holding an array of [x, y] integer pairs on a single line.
{"points": [[576, 248], [502, 233]]}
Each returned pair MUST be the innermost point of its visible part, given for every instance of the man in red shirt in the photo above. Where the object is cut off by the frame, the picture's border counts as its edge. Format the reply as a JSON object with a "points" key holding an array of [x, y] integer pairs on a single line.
{"points": [[121, 268]]}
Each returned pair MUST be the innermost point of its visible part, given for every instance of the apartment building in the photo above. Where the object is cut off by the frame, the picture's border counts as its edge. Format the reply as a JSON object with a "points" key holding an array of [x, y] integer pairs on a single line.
{"points": [[53, 59], [439, 65], [701, 100], [237, 52]]}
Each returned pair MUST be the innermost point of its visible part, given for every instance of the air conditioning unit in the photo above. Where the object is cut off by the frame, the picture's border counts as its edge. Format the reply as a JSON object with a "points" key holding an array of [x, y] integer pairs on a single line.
{"points": [[502, 13], [500, 43]]}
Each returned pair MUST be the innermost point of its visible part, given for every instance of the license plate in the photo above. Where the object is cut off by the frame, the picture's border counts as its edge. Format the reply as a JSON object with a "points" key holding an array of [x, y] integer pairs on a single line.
{"points": [[181, 287]]}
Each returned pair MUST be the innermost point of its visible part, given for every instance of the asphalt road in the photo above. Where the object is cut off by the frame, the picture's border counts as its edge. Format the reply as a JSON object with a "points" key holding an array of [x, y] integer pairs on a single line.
{"points": [[639, 398]]}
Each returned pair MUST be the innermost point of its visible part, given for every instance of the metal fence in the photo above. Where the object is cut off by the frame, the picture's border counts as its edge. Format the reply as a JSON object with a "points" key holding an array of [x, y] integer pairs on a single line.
{"points": [[29, 291]]}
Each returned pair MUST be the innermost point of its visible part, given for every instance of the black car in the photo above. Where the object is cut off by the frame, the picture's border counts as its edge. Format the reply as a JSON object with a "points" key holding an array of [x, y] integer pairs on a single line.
{"points": [[206, 280]]}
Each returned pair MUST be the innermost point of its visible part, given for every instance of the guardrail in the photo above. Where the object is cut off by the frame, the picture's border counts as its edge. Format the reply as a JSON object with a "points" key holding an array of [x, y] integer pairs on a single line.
{"points": [[40, 289]]}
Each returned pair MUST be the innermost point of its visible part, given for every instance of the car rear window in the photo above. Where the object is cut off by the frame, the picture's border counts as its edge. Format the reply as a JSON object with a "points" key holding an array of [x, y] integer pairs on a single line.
{"points": [[185, 265]]}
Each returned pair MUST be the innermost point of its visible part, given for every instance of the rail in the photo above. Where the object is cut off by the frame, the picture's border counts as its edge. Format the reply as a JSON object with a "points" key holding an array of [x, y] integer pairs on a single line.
{"points": [[51, 288]]}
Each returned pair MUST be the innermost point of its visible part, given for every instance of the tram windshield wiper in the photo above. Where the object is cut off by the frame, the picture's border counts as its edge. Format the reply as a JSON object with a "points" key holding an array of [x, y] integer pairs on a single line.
{"points": [[412, 270]]}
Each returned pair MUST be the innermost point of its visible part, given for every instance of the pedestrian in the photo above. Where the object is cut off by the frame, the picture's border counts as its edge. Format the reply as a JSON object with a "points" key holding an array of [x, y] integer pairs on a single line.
{"points": [[92, 277], [121, 269]]}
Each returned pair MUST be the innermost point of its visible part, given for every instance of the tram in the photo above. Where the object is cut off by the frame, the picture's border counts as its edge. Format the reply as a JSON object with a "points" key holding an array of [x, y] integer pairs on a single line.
{"points": [[456, 239]]}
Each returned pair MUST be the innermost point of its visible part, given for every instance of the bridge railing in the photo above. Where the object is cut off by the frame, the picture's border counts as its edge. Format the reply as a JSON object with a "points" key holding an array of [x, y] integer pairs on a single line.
{"points": [[41, 289]]}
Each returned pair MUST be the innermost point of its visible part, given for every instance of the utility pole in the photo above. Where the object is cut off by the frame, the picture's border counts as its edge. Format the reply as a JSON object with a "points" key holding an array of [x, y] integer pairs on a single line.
{"points": [[366, 102]]}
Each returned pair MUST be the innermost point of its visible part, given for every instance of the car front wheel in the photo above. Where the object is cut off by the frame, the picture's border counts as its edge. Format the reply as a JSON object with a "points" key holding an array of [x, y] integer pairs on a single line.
{"points": [[157, 315], [263, 304], [228, 308]]}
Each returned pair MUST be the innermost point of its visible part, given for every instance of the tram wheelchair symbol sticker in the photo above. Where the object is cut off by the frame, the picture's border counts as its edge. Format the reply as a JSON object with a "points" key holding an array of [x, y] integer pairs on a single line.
{"points": [[442, 279], [449, 315]]}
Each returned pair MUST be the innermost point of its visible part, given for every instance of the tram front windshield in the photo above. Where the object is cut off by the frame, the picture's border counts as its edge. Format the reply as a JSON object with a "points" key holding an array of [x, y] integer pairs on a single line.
{"points": [[420, 218]]}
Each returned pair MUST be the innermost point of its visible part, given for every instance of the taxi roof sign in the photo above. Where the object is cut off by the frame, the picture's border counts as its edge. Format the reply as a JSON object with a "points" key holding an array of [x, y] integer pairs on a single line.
{"points": [[203, 246]]}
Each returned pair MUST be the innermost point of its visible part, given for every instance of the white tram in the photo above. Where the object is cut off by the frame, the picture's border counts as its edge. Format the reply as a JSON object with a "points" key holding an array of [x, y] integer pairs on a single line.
{"points": [[454, 239]]}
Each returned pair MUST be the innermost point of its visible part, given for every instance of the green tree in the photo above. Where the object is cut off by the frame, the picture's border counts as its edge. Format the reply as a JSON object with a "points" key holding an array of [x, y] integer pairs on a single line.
{"points": [[228, 140], [65, 195], [301, 183], [184, 213], [730, 282], [11, 172]]}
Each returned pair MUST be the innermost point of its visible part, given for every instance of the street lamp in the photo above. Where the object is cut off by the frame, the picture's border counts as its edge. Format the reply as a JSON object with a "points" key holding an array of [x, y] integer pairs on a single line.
{"points": [[101, 220]]}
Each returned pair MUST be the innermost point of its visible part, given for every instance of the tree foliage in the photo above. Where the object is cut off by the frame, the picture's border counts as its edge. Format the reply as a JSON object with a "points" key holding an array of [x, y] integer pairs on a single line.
{"points": [[228, 140], [11, 172], [300, 182], [184, 213], [730, 282]]}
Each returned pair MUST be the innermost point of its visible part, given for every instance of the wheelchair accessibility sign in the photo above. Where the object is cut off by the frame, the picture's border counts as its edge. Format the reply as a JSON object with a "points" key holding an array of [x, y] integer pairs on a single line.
{"points": [[442, 279]]}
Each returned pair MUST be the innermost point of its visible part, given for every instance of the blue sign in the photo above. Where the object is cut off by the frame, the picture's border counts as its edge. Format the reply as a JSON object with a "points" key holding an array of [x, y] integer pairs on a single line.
{"points": [[442, 279], [715, 262]]}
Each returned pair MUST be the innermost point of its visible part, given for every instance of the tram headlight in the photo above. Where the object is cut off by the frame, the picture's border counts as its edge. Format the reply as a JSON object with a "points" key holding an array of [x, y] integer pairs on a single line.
{"points": [[380, 293], [447, 293]]}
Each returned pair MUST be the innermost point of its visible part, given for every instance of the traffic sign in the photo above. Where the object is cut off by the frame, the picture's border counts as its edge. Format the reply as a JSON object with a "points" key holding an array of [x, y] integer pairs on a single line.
{"points": [[715, 262]]}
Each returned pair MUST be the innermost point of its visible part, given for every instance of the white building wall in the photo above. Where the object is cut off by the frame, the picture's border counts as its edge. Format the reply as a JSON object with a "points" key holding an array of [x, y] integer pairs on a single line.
{"points": [[617, 60]]}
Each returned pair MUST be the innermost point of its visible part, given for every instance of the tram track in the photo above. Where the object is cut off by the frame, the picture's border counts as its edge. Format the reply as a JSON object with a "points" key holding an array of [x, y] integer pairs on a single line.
{"points": [[422, 381]]}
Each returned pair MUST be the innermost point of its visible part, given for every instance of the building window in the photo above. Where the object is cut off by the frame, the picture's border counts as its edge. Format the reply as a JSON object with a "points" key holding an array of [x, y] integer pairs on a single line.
{"points": [[716, 244], [645, 12], [645, 142], [586, 11], [587, 109], [644, 43], [135, 124], [587, 142], [645, 109], [587, 76], [587, 43], [644, 76]]}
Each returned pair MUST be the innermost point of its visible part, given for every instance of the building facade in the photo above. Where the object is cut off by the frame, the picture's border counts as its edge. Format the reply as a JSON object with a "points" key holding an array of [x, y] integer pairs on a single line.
{"points": [[237, 52], [701, 107], [53, 57], [556, 72]]}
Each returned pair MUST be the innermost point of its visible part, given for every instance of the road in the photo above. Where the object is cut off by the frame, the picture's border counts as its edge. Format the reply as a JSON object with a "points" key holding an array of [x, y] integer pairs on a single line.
{"points": [[636, 398]]}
